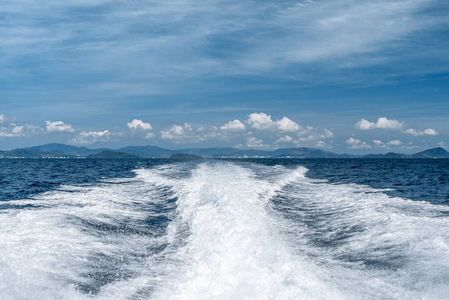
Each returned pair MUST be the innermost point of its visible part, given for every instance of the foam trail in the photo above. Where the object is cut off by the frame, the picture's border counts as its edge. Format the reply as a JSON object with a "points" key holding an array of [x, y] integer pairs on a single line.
{"points": [[233, 250], [84, 242], [373, 246], [220, 230]]}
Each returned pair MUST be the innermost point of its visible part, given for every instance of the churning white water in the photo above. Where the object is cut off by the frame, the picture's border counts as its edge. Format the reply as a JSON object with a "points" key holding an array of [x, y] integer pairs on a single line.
{"points": [[220, 230]]}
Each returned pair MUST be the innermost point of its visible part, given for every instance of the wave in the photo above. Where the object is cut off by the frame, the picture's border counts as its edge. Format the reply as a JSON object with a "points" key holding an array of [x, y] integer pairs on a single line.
{"points": [[221, 230]]}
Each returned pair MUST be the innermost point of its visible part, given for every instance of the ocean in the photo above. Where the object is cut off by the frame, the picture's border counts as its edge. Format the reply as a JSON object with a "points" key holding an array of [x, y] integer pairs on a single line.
{"points": [[224, 229]]}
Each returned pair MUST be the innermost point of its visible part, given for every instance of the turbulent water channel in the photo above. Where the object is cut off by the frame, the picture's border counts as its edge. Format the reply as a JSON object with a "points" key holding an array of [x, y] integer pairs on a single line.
{"points": [[222, 230]]}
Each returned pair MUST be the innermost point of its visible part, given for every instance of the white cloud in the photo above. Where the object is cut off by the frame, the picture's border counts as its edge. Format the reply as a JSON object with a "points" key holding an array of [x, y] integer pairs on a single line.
{"points": [[186, 133], [210, 133], [14, 130], [356, 144], [379, 143], [382, 123], [90, 137], [430, 131], [10, 132], [7, 134], [5, 119], [17, 129], [58, 126], [309, 130], [176, 132], [321, 144], [96, 133], [262, 121], [139, 124], [395, 143], [149, 135], [285, 124], [172, 133], [311, 135], [284, 140], [253, 142], [415, 132], [327, 134], [365, 125], [235, 125]]}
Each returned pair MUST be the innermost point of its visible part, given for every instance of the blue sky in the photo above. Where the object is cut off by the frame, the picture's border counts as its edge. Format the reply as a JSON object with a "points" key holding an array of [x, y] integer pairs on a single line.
{"points": [[344, 75]]}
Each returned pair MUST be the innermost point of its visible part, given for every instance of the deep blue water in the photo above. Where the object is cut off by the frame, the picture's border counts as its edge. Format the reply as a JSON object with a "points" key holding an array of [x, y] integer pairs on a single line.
{"points": [[224, 229], [416, 179]]}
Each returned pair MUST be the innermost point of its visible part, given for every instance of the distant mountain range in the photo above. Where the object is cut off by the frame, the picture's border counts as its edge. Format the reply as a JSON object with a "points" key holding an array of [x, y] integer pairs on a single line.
{"points": [[113, 155], [67, 151]]}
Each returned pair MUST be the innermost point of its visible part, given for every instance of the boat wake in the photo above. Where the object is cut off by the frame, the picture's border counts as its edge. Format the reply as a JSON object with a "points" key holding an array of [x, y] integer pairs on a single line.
{"points": [[221, 230]]}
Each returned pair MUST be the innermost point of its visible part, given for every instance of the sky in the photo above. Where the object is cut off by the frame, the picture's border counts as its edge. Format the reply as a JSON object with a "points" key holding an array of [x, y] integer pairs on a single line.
{"points": [[346, 76]]}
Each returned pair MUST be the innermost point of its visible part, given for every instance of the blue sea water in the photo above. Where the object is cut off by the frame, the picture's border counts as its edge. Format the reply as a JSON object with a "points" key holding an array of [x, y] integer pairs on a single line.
{"points": [[224, 229]]}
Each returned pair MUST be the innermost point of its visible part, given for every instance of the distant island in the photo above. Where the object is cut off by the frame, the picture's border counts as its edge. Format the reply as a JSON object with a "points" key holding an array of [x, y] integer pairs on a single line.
{"points": [[132, 152], [109, 154]]}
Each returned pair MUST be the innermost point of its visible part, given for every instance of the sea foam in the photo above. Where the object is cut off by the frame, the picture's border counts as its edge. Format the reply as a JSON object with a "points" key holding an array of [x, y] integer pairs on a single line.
{"points": [[222, 230]]}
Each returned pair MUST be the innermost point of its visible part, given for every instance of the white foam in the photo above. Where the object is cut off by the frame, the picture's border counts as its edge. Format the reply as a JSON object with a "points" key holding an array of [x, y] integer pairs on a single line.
{"points": [[389, 248], [233, 250], [47, 251], [238, 232]]}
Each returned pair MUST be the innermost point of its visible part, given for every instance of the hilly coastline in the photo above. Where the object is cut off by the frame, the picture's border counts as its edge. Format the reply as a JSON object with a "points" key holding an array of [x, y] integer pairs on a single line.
{"points": [[66, 151], [109, 154]]}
